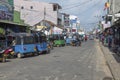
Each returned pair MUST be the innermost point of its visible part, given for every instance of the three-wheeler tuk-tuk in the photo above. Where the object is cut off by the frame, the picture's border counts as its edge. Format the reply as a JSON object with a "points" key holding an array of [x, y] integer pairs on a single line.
{"points": [[50, 41], [59, 40], [22, 43], [69, 39]]}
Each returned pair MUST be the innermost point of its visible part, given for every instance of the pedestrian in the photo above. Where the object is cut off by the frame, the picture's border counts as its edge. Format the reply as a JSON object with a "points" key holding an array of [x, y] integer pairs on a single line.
{"points": [[85, 37], [110, 40], [13, 42], [65, 37], [102, 39]]}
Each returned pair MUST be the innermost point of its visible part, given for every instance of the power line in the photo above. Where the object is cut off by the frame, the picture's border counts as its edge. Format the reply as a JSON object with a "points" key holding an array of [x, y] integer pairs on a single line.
{"points": [[77, 5], [89, 23], [73, 4], [50, 15], [96, 4]]}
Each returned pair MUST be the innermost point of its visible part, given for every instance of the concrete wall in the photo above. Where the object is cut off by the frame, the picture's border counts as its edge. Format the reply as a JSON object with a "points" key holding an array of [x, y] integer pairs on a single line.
{"points": [[116, 6], [35, 14]]}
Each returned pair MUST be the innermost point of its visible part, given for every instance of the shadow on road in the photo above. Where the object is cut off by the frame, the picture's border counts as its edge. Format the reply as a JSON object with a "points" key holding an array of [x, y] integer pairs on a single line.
{"points": [[108, 78], [115, 55], [117, 58], [5, 61]]}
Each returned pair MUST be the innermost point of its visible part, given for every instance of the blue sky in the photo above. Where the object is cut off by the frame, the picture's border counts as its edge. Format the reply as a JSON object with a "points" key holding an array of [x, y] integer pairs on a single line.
{"points": [[88, 11]]}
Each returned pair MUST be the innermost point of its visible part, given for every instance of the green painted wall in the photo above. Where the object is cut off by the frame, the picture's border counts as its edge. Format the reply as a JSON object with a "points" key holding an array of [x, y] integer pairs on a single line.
{"points": [[16, 18], [2, 31]]}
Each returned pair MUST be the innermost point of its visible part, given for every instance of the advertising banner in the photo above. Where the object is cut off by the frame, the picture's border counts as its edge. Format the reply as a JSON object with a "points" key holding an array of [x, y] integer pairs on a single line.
{"points": [[6, 10]]}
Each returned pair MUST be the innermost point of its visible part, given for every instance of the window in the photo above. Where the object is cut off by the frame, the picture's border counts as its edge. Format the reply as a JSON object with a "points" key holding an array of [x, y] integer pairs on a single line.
{"points": [[42, 37], [28, 40], [36, 38], [18, 40], [54, 8], [31, 7], [22, 7]]}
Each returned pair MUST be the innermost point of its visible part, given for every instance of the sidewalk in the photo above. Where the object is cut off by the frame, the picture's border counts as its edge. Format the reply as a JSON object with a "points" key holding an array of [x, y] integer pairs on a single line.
{"points": [[112, 60]]}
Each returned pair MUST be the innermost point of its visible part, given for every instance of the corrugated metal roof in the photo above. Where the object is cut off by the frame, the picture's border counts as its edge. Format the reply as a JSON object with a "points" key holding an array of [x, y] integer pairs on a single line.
{"points": [[10, 22]]}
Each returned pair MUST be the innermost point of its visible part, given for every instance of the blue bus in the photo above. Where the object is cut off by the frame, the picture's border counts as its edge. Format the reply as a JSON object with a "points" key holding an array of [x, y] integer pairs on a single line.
{"points": [[41, 42], [22, 43]]}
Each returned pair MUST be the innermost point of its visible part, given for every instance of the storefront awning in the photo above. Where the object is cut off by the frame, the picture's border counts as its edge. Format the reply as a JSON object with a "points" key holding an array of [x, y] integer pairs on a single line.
{"points": [[41, 27]]}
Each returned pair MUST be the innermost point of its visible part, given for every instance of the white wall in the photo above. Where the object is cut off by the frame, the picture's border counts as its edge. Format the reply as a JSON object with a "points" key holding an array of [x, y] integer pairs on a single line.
{"points": [[35, 15]]}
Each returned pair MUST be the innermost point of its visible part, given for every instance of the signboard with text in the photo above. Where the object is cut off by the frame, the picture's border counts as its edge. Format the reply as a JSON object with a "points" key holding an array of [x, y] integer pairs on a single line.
{"points": [[6, 10]]}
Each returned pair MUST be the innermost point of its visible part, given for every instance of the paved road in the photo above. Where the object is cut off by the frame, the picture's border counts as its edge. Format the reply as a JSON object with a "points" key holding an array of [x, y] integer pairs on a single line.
{"points": [[65, 63]]}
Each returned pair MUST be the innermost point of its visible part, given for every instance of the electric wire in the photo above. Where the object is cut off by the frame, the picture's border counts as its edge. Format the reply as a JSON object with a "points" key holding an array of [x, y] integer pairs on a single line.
{"points": [[76, 6], [63, 9]]}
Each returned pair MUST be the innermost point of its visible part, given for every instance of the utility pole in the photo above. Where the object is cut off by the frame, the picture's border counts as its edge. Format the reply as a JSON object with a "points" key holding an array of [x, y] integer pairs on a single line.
{"points": [[113, 11], [108, 9], [44, 16]]}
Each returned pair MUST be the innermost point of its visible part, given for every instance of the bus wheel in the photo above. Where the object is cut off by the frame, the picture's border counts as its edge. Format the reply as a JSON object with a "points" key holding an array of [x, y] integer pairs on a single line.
{"points": [[19, 55]]}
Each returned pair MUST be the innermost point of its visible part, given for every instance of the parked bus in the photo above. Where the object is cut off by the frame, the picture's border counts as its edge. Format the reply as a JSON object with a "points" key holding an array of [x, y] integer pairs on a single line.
{"points": [[41, 42], [22, 43]]}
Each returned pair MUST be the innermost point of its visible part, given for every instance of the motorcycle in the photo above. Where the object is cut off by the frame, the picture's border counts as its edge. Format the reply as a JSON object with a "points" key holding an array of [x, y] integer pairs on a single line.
{"points": [[76, 43], [6, 53], [2, 56], [9, 52]]}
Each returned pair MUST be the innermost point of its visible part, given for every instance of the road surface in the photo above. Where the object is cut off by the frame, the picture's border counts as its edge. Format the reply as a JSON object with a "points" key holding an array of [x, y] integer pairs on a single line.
{"points": [[63, 63]]}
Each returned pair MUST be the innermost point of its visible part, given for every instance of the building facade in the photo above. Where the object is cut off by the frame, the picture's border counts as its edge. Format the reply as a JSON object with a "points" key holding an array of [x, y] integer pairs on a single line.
{"points": [[33, 12]]}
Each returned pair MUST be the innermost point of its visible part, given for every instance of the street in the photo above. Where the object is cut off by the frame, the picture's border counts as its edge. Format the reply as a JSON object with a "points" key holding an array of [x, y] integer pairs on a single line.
{"points": [[63, 63]]}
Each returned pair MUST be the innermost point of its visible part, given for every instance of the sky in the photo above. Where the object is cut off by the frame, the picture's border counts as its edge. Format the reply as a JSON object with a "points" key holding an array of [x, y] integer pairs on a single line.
{"points": [[89, 12]]}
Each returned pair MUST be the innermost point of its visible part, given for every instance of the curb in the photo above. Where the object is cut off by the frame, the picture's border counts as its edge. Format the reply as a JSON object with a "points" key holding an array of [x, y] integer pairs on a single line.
{"points": [[107, 63], [111, 62]]}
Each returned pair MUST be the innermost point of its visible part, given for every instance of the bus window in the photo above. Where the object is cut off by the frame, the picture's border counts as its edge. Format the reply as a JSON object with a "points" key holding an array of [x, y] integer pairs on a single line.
{"points": [[36, 39], [44, 38], [28, 40], [10, 40], [18, 40], [40, 38]]}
